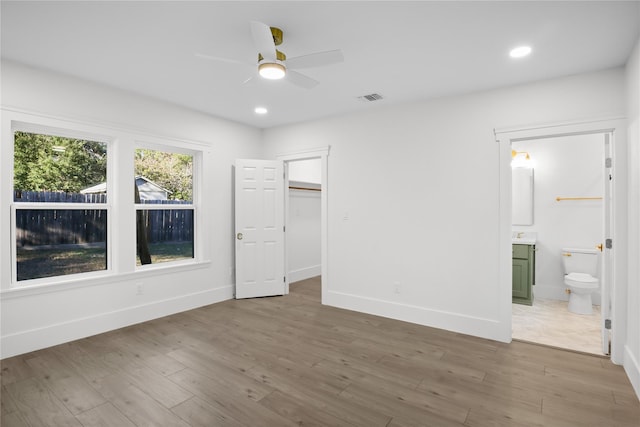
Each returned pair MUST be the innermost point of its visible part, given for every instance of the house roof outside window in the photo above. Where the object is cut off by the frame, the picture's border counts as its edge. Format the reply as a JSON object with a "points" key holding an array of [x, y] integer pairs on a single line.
{"points": [[148, 189]]}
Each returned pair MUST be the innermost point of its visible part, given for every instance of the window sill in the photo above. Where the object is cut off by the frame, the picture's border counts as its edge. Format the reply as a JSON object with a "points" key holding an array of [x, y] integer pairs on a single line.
{"points": [[21, 291]]}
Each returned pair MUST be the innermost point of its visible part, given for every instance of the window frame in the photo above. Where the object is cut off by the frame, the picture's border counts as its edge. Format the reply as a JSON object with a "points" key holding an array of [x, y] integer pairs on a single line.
{"points": [[196, 156], [32, 127]]}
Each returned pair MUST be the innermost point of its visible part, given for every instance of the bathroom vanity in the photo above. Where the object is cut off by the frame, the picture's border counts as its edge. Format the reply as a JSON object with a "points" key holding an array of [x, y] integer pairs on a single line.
{"points": [[523, 264], [523, 261]]}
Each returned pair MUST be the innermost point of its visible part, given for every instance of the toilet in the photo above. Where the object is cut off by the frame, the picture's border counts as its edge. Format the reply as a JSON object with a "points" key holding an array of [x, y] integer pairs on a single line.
{"points": [[581, 270]]}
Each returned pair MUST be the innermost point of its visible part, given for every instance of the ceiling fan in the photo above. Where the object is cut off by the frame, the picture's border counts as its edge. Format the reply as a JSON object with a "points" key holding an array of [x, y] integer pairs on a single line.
{"points": [[273, 64]]}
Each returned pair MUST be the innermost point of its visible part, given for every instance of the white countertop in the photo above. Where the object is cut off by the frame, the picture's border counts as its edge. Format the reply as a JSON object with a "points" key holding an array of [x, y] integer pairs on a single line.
{"points": [[524, 237]]}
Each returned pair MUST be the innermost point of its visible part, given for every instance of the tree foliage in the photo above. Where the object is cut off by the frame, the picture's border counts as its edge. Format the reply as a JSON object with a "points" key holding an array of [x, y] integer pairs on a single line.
{"points": [[172, 171], [54, 163]]}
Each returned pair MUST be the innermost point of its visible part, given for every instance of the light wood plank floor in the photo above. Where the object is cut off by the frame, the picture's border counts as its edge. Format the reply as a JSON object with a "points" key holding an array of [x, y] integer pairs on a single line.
{"points": [[288, 361]]}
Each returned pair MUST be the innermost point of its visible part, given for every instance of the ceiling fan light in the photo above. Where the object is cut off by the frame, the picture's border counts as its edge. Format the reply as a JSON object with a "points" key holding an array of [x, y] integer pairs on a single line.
{"points": [[271, 70]]}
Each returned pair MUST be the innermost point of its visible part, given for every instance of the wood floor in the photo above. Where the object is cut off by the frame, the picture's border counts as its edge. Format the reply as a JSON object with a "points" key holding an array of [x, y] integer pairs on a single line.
{"points": [[288, 361]]}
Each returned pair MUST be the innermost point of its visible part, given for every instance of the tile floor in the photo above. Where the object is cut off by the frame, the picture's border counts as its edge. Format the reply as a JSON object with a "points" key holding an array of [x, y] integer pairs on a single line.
{"points": [[549, 322]]}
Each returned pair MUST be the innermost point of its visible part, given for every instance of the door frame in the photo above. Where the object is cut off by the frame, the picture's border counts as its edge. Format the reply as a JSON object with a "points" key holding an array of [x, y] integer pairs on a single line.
{"points": [[321, 153], [616, 127]]}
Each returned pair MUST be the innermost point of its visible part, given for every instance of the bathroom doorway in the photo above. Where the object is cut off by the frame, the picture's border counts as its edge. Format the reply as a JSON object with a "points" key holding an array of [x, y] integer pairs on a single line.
{"points": [[584, 201], [565, 209]]}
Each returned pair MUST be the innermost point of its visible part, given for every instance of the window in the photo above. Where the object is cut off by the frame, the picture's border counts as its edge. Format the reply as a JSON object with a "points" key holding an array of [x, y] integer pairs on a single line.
{"points": [[165, 211], [60, 206]]}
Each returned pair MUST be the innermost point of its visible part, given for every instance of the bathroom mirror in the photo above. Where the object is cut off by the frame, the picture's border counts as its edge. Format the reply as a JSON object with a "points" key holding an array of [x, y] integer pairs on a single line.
{"points": [[522, 196]]}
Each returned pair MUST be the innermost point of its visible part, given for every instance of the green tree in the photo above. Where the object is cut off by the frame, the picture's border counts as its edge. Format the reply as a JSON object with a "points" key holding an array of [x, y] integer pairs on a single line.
{"points": [[172, 171], [54, 163]]}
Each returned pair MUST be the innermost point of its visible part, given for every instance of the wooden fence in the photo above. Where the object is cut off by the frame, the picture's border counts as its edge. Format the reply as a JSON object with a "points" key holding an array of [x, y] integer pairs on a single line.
{"points": [[36, 227], [57, 197], [168, 225]]}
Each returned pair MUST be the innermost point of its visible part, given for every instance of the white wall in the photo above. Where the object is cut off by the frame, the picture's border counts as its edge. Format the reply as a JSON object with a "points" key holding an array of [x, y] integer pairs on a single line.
{"points": [[414, 197], [570, 166], [632, 348], [303, 235], [305, 171], [38, 318], [303, 226]]}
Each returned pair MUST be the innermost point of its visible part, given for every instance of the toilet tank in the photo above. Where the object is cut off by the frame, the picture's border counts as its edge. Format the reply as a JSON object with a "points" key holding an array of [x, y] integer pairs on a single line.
{"points": [[578, 260]]}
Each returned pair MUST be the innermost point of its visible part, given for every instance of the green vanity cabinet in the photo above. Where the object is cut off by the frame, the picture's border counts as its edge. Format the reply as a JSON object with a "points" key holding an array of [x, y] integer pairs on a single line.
{"points": [[523, 263]]}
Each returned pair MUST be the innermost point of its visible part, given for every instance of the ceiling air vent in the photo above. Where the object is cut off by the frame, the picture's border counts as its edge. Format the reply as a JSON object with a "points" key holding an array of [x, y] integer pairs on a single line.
{"points": [[371, 97]]}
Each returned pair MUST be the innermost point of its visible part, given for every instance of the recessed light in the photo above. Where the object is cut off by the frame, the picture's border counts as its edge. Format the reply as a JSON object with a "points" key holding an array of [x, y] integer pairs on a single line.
{"points": [[260, 110], [520, 52]]}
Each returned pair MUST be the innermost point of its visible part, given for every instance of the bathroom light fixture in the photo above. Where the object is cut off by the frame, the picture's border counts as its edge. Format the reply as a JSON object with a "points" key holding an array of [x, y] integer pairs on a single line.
{"points": [[520, 52], [272, 70], [521, 159], [514, 153]]}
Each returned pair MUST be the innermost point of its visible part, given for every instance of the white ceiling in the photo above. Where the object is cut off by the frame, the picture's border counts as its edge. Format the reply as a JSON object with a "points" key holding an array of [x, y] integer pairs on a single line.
{"points": [[405, 51]]}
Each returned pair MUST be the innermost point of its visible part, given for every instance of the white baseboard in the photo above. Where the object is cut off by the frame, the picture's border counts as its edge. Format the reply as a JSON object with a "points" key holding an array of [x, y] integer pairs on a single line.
{"points": [[36, 339], [305, 273], [632, 368], [455, 322]]}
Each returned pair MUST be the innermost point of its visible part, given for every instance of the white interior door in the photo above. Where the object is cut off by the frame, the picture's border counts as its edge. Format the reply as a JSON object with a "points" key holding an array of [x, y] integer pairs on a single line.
{"points": [[259, 219], [607, 254]]}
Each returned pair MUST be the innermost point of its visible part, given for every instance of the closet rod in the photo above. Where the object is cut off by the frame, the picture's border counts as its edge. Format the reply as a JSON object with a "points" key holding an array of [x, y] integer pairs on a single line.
{"points": [[304, 188], [558, 199]]}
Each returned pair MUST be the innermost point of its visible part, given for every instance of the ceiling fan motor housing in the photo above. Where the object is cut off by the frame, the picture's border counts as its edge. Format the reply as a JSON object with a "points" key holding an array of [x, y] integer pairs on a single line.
{"points": [[280, 56], [277, 36]]}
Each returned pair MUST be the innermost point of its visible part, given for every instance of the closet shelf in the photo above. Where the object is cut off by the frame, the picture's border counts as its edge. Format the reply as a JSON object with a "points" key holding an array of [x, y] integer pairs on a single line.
{"points": [[559, 199]]}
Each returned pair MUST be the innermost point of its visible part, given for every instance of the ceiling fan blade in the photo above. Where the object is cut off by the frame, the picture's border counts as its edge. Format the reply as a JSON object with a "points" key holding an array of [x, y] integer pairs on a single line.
{"points": [[316, 59], [263, 39], [218, 58], [301, 80]]}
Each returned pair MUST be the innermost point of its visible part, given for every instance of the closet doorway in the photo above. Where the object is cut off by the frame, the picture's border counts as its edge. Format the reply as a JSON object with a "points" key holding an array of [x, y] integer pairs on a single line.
{"points": [[309, 170], [303, 219]]}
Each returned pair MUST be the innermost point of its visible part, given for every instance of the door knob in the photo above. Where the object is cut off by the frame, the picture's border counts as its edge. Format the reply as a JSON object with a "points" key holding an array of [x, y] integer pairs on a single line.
{"points": [[599, 247], [240, 236]]}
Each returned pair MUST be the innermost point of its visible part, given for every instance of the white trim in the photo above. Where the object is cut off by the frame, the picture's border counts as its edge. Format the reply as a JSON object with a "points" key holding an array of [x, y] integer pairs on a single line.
{"points": [[304, 273], [105, 125], [72, 132], [632, 368], [61, 206], [164, 206], [311, 153], [30, 126], [21, 120], [470, 325], [35, 339], [84, 280], [322, 153], [617, 128], [552, 130], [505, 253]]}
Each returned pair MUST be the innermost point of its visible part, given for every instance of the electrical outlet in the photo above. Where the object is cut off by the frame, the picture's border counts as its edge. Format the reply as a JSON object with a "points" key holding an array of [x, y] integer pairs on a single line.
{"points": [[139, 289], [396, 287]]}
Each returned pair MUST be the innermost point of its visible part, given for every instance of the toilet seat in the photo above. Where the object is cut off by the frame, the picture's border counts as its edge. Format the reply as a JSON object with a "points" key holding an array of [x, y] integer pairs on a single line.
{"points": [[581, 280]]}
